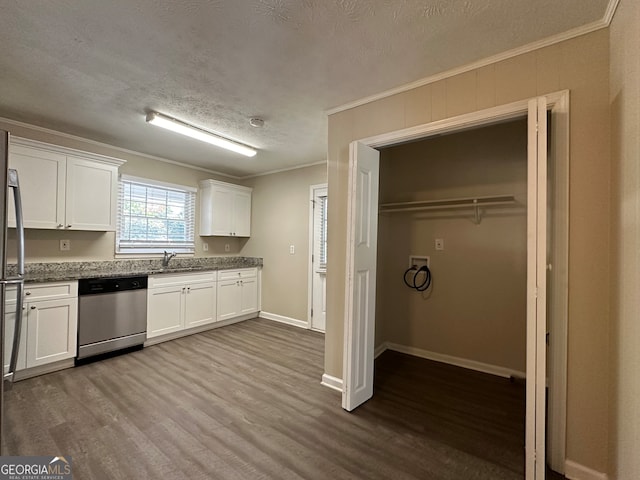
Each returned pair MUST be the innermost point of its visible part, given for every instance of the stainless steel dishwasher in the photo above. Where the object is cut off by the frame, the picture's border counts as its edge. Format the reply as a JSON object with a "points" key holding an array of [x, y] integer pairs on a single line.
{"points": [[112, 314]]}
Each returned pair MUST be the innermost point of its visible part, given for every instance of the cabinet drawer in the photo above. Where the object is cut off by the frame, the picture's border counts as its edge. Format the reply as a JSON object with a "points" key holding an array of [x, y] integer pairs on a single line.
{"points": [[49, 291], [238, 273], [168, 279]]}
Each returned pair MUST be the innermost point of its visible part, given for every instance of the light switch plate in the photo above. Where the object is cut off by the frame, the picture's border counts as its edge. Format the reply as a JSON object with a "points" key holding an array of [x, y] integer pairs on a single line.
{"points": [[65, 245], [439, 244], [205, 247], [226, 247]]}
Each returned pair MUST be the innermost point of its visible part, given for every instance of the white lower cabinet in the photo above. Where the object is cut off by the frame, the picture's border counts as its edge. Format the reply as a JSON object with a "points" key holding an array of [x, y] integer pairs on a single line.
{"points": [[177, 302], [51, 331], [238, 293], [198, 309], [49, 325]]}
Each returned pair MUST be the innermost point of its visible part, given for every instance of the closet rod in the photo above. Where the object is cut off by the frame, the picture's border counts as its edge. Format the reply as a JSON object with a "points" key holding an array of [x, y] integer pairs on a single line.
{"points": [[452, 203]]}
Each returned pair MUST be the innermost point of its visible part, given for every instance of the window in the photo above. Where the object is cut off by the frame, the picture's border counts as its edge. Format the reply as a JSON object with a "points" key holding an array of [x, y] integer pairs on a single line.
{"points": [[323, 232], [155, 216]]}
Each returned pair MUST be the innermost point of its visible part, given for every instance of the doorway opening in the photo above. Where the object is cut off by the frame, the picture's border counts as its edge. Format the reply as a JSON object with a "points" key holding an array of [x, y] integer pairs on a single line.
{"points": [[459, 200], [547, 245]]}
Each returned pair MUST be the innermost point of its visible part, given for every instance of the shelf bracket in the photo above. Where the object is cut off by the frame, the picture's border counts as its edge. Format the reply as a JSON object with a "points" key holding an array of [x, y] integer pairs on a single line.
{"points": [[477, 211]]}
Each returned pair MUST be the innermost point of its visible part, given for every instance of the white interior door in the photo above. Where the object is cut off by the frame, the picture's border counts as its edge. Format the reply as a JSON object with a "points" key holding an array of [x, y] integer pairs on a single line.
{"points": [[319, 258], [362, 241], [536, 288]]}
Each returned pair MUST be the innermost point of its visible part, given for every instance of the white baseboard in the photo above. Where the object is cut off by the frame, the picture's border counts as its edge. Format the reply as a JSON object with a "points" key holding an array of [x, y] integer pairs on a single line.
{"points": [[451, 360], [380, 349], [282, 319], [575, 471], [333, 383]]}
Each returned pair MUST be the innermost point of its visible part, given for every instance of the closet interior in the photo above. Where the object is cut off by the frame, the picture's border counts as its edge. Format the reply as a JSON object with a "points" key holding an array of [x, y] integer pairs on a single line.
{"points": [[457, 202]]}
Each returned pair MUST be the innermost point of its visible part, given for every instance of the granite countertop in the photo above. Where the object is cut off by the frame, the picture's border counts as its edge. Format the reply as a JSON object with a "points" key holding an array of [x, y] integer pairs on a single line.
{"points": [[64, 271]]}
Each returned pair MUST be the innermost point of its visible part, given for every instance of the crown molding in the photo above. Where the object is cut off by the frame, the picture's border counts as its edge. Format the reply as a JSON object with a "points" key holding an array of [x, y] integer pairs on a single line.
{"points": [[281, 170], [604, 22]]}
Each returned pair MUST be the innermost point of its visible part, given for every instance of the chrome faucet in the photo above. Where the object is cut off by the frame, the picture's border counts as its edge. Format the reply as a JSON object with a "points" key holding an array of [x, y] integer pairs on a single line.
{"points": [[167, 256]]}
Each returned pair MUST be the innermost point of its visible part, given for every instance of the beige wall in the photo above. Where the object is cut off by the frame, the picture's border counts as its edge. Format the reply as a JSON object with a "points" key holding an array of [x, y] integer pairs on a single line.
{"points": [[625, 241], [581, 65], [43, 245], [280, 218], [476, 307]]}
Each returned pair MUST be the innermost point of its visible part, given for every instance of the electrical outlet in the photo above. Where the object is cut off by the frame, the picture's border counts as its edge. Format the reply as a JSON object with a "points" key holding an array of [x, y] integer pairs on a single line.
{"points": [[227, 247], [439, 244], [205, 247], [65, 245], [292, 249]]}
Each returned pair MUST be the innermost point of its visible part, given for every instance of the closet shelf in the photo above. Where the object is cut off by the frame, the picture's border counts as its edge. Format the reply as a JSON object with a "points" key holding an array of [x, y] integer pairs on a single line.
{"points": [[450, 203]]}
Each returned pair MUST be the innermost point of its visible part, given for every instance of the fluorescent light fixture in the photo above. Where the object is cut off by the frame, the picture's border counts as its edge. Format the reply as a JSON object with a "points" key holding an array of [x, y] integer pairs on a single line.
{"points": [[177, 126]]}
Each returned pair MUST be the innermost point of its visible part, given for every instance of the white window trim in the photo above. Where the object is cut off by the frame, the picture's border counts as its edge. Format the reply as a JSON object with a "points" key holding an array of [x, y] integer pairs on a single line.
{"points": [[151, 252], [158, 183]]}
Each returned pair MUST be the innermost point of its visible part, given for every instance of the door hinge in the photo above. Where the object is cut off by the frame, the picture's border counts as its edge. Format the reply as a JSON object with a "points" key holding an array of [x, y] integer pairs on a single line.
{"points": [[312, 312], [312, 258]]}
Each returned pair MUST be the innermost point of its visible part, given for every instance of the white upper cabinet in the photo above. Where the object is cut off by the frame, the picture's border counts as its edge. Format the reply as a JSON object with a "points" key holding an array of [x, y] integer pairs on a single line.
{"points": [[225, 209], [42, 177], [64, 189], [92, 195]]}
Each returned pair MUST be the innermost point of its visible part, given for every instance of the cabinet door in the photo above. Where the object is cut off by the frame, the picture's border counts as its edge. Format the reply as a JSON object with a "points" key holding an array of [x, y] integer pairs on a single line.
{"points": [[229, 297], [51, 331], [9, 326], [200, 304], [242, 214], [42, 183], [222, 212], [92, 189], [165, 310], [249, 295]]}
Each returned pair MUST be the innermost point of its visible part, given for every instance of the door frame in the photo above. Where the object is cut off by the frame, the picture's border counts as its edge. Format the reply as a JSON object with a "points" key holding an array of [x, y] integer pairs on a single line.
{"points": [[557, 306], [312, 192]]}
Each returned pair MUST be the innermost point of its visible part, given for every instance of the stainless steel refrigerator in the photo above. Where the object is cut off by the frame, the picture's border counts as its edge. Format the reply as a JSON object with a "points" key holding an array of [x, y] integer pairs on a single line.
{"points": [[9, 344]]}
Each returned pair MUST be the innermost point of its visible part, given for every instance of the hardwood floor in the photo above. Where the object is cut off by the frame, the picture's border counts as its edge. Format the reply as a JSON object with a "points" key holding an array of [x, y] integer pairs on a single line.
{"points": [[245, 402]]}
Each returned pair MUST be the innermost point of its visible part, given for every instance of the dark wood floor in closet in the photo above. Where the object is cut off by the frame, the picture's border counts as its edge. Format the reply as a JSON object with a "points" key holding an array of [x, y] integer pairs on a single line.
{"points": [[245, 402]]}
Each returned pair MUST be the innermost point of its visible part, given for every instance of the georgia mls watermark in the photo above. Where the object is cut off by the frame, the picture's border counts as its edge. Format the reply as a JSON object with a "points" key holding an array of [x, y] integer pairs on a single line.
{"points": [[35, 468]]}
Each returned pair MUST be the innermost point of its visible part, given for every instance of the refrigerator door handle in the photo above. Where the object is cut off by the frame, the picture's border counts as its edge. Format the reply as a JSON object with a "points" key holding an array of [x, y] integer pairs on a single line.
{"points": [[14, 184]]}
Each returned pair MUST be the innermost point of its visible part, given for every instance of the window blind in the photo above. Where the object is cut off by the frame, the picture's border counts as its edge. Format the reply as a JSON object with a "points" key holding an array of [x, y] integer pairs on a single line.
{"points": [[155, 216], [323, 232]]}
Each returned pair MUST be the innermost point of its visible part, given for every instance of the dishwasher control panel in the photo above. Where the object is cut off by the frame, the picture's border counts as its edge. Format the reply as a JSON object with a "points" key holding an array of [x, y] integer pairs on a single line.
{"points": [[89, 286]]}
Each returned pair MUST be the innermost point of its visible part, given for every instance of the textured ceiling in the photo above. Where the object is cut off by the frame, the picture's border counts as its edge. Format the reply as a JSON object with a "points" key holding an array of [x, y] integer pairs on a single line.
{"points": [[93, 67]]}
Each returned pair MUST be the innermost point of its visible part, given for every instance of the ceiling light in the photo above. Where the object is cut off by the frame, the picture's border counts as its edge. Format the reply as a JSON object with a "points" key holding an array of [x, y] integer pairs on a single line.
{"points": [[256, 122], [177, 126]]}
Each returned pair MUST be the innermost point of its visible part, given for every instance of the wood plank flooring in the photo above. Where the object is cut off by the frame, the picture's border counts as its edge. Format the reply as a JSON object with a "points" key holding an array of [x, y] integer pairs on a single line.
{"points": [[245, 402]]}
